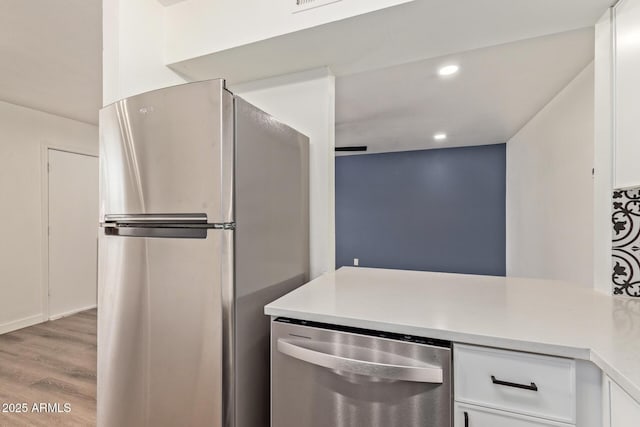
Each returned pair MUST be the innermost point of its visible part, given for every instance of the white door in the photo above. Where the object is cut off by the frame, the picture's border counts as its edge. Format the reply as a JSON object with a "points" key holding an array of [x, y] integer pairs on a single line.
{"points": [[73, 232]]}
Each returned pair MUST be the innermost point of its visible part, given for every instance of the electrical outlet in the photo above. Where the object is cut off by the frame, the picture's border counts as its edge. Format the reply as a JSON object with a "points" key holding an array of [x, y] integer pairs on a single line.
{"points": [[356, 262]]}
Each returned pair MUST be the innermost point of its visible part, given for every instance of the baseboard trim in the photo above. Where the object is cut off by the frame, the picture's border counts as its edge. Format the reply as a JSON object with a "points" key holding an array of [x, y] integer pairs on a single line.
{"points": [[72, 312], [20, 323]]}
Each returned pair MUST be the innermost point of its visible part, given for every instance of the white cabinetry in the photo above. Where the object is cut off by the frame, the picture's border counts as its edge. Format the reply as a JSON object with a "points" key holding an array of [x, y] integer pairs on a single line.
{"points": [[626, 78], [623, 410], [477, 416], [495, 388]]}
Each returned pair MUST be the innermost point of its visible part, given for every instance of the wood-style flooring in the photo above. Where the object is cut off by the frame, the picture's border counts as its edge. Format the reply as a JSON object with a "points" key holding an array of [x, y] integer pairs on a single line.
{"points": [[53, 362]]}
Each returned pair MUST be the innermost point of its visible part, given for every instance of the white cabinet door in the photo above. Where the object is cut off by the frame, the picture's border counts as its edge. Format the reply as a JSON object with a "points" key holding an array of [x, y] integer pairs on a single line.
{"points": [[625, 411], [529, 384], [474, 416], [627, 94]]}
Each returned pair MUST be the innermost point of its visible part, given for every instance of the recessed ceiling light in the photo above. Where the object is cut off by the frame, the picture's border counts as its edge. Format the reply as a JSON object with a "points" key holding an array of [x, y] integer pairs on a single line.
{"points": [[441, 136], [448, 70]]}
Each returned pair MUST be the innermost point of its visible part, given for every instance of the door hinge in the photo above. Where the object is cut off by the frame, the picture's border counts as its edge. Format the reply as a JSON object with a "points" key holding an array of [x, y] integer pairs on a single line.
{"points": [[48, 167]]}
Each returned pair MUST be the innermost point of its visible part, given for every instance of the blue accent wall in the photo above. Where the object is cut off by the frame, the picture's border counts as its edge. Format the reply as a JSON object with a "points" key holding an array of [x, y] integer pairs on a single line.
{"points": [[435, 210]]}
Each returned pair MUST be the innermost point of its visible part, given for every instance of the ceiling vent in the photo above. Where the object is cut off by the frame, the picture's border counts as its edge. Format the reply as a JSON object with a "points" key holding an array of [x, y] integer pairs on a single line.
{"points": [[351, 148], [302, 5]]}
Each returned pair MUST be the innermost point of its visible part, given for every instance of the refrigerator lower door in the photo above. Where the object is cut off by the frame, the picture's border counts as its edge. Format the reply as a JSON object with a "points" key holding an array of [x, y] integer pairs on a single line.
{"points": [[161, 330]]}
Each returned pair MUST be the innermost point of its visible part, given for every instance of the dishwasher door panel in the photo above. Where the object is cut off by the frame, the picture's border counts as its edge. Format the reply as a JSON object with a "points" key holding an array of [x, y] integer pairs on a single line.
{"points": [[331, 378]]}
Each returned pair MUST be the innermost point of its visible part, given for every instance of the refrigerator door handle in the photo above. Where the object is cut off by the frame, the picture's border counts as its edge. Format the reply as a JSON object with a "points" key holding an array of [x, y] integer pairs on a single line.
{"points": [[189, 218], [164, 229], [425, 374], [198, 226]]}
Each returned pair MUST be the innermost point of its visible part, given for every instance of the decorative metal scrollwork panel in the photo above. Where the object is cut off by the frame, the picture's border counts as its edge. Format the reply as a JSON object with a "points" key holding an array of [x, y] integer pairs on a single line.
{"points": [[626, 242]]}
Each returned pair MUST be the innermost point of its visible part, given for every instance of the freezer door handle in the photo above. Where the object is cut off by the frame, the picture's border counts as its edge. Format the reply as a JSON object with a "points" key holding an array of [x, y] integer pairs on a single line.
{"points": [[174, 226], [190, 218], [425, 374]]}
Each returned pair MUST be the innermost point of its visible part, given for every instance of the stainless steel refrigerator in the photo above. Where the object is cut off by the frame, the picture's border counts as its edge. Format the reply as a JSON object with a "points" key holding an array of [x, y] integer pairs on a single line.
{"points": [[205, 219]]}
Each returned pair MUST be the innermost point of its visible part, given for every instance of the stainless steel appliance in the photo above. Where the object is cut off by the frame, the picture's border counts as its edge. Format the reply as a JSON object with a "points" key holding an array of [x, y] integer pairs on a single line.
{"points": [[204, 208], [330, 376]]}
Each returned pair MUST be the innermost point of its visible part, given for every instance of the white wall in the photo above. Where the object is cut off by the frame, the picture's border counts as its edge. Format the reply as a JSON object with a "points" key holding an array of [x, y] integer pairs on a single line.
{"points": [[603, 157], [200, 27], [133, 46], [22, 134], [550, 189], [306, 102]]}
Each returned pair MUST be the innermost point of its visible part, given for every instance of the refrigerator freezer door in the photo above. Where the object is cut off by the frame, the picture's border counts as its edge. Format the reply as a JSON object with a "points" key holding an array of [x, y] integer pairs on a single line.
{"points": [[169, 151], [161, 324]]}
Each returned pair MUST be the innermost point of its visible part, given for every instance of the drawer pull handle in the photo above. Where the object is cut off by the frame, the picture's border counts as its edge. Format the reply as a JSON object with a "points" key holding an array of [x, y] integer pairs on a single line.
{"points": [[532, 386]]}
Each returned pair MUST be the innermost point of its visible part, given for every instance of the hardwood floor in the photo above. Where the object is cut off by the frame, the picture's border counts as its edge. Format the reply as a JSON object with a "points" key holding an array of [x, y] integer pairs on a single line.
{"points": [[54, 362]]}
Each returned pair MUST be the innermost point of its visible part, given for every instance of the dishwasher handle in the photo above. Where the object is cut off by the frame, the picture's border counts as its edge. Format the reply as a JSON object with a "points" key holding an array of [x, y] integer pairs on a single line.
{"points": [[424, 374]]}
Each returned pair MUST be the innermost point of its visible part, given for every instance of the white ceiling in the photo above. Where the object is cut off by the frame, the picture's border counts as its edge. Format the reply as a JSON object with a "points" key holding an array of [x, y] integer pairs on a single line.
{"points": [[396, 35], [497, 90], [51, 51], [51, 54]]}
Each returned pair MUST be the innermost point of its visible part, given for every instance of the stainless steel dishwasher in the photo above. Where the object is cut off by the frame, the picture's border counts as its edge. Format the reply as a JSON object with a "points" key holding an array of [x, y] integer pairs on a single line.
{"points": [[330, 376]]}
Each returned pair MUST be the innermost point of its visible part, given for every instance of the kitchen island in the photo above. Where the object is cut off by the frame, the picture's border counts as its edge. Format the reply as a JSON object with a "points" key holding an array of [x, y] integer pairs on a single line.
{"points": [[527, 315]]}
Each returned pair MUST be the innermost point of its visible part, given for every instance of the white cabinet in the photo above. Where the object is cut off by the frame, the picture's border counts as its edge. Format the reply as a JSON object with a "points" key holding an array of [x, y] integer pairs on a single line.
{"points": [[626, 82], [524, 383], [475, 416], [496, 388], [623, 410]]}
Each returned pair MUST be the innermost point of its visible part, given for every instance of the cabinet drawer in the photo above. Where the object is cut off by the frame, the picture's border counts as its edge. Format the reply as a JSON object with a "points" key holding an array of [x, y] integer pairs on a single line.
{"points": [[470, 416], [539, 386]]}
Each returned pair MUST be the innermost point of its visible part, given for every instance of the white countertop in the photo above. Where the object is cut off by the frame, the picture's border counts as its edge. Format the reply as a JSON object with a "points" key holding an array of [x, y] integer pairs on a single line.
{"points": [[539, 316]]}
